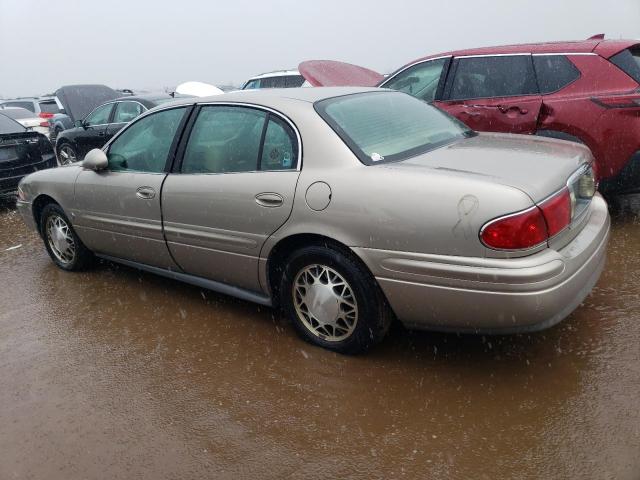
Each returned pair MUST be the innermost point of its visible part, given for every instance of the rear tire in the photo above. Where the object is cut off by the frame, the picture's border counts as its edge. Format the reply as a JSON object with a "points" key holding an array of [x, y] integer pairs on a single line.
{"points": [[333, 301], [63, 245]]}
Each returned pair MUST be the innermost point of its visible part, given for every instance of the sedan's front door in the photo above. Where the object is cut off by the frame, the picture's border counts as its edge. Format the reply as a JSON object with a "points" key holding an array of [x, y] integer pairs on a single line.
{"points": [[234, 188], [117, 211], [93, 132], [493, 93]]}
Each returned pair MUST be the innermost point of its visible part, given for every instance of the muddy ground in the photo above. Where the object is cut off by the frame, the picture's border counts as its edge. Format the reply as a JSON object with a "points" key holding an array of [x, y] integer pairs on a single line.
{"points": [[118, 374]]}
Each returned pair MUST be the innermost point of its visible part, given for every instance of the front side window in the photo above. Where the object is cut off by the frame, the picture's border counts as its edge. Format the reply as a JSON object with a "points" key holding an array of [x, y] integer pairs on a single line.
{"points": [[224, 140], [389, 126], [127, 111], [420, 81], [487, 77], [629, 62], [144, 146], [99, 116], [554, 72], [252, 85], [280, 149]]}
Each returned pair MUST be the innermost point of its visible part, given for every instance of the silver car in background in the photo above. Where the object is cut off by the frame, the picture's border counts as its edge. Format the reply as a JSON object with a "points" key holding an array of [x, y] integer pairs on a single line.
{"points": [[345, 207]]}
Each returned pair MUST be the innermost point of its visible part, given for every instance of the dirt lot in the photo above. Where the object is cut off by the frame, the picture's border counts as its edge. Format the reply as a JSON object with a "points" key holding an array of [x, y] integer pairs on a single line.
{"points": [[118, 374]]}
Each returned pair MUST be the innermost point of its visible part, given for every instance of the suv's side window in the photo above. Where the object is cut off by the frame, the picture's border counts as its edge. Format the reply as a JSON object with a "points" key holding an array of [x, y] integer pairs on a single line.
{"points": [[127, 111], [420, 81], [144, 146], [280, 148], [554, 72], [224, 139], [487, 77], [99, 116]]}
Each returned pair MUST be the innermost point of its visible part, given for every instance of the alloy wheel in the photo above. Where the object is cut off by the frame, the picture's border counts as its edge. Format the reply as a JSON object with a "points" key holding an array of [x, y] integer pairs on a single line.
{"points": [[324, 303], [67, 155]]}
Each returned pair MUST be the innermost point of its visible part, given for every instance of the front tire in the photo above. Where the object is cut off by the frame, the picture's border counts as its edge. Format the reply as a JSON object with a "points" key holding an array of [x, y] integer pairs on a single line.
{"points": [[63, 245], [333, 301], [67, 154]]}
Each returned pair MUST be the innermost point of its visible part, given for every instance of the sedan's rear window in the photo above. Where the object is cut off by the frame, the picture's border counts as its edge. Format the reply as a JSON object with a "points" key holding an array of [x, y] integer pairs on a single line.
{"points": [[8, 126], [629, 62], [389, 126]]}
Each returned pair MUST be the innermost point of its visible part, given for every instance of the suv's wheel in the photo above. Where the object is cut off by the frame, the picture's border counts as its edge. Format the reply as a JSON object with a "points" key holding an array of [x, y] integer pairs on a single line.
{"points": [[333, 301], [67, 154], [63, 245]]}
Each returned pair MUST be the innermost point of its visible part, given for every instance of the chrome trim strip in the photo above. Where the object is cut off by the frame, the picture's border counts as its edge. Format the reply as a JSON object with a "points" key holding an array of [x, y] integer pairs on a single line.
{"points": [[219, 287]]}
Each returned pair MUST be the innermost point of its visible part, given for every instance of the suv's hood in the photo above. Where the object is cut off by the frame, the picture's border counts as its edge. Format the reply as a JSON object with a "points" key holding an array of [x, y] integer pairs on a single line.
{"points": [[329, 73], [538, 166]]}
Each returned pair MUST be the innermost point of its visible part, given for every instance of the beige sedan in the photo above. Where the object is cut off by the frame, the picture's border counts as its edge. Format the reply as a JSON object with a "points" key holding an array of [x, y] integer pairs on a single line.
{"points": [[346, 207]]}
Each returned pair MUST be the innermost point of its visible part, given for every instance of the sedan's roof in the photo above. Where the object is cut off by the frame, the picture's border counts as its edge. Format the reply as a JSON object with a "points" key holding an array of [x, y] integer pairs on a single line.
{"points": [[269, 95]]}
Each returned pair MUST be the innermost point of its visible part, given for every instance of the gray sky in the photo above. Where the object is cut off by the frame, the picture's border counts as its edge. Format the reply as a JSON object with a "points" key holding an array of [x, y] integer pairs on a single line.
{"points": [[151, 44]]}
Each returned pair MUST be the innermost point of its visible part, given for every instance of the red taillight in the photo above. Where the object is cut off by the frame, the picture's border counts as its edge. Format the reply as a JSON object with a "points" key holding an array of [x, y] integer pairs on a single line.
{"points": [[45, 115], [557, 211], [530, 227], [515, 232]]}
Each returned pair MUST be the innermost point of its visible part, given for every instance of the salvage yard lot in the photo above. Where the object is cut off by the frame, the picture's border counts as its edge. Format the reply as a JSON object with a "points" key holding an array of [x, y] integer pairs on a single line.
{"points": [[115, 370]]}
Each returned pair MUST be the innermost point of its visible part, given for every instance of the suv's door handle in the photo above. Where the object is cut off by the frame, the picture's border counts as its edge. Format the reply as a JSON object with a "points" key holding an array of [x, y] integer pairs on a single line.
{"points": [[146, 193], [269, 199], [508, 108]]}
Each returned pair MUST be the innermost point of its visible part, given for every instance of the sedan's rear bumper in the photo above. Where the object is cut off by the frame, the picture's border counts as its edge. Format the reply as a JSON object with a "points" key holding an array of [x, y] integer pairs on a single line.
{"points": [[486, 295]]}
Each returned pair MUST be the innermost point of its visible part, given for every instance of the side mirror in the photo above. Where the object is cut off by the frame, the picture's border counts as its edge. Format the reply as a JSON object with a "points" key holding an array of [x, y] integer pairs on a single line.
{"points": [[78, 123], [95, 160]]}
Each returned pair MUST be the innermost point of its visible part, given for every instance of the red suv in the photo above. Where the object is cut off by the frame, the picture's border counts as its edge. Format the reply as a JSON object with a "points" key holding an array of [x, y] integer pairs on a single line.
{"points": [[586, 91]]}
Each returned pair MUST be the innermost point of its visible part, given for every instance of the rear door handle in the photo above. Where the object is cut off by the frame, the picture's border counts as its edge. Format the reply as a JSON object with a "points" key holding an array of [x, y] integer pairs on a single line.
{"points": [[516, 108], [269, 200], [145, 193]]}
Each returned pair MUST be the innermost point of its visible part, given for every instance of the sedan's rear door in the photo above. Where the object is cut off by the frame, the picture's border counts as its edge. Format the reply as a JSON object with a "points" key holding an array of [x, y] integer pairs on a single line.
{"points": [[117, 210], [232, 189], [493, 93]]}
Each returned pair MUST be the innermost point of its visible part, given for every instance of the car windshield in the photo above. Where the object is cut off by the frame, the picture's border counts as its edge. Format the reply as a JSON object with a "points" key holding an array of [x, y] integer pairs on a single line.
{"points": [[389, 126], [8, 126]]}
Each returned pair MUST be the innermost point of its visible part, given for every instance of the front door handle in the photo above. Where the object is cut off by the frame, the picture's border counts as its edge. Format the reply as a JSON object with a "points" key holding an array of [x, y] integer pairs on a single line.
{"points": [[269, 200], [512, 108], [145, 193]]}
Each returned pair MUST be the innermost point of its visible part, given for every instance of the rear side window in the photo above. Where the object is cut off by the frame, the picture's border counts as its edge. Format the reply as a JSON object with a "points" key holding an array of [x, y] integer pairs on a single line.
{"points": [[487, 77], [280, 148], [420, 81], [224, 140], [293, 81], [49, 107], [127, 111], [629, 62], [554, 72]]}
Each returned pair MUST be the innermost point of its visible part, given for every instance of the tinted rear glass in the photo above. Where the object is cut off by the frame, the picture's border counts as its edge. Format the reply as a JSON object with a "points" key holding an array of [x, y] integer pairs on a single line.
{"points": [[554, 72], [10, 126], [18, 113], [49, 107], [487, 77], [629, 62], [389, 126], [27, 105]]}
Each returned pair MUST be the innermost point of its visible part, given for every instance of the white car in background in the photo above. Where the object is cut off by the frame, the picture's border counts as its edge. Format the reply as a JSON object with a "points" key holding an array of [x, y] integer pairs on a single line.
{"points": [[27, 119], [278, 79]]}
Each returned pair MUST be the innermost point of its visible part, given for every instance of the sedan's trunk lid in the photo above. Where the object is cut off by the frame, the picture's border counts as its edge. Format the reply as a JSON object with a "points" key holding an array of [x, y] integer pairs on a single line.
{"points": [[537, 166], [329, 73]]}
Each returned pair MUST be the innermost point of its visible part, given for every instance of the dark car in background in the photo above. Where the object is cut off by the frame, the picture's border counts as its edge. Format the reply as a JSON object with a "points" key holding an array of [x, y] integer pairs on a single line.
{"points": [[585, 91], [21, 152], [78, 101], [102, 123]]}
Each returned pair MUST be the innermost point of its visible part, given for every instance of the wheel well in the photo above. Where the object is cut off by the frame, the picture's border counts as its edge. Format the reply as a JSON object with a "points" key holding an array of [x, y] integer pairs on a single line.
{"points": [[287, 245], [38, 205]]}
